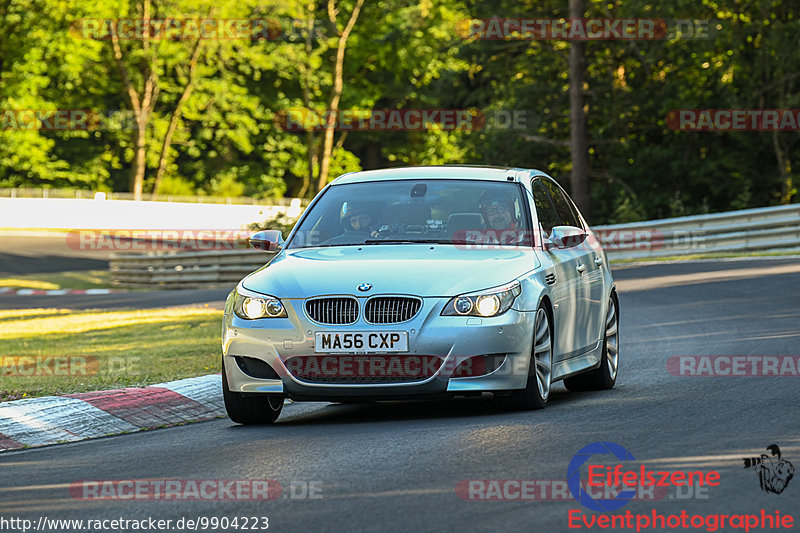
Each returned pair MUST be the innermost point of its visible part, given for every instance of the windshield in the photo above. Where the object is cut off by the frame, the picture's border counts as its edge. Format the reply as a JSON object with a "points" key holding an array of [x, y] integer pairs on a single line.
{"points": [[416, 211]]}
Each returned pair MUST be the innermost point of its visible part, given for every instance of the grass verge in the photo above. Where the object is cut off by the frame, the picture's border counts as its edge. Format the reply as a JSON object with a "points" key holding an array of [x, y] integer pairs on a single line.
{"points": [[59, 351]]}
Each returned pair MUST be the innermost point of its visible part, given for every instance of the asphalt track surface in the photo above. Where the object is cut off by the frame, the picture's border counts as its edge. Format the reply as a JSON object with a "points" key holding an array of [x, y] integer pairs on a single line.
{"points": [[45, 253], [394, 466], [42, 254]]}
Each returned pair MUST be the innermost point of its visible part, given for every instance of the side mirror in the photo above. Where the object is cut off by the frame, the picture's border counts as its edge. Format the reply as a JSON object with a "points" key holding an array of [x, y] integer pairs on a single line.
{"points": [[565, 237], [269, 240]]}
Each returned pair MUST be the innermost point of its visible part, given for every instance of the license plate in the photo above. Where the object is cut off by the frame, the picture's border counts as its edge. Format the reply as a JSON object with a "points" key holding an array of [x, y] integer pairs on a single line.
{"points": [[361, 342]]}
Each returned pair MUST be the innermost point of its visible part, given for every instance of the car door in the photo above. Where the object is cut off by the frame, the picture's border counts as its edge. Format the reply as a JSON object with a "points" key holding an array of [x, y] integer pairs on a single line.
{"points": [[562, 276], [595, 278], [590, 275]]}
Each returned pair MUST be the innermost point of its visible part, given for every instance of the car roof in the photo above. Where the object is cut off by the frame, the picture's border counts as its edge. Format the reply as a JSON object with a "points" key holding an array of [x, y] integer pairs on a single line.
{"points": [[471, 172]]}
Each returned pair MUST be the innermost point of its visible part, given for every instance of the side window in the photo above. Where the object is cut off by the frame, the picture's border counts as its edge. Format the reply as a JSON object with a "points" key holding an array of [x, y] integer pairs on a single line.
{"points": [[544, 208], [566, 214], [575, 212]]}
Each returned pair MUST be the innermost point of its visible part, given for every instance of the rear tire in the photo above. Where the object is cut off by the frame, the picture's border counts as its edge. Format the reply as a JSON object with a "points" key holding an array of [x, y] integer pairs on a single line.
{"points": [[250, 408], [605, 376], [537, 389]]}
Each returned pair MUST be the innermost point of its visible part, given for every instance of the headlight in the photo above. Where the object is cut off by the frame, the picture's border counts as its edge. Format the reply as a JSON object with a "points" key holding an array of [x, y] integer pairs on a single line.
{"points": [[491, 302], [253, 307]]}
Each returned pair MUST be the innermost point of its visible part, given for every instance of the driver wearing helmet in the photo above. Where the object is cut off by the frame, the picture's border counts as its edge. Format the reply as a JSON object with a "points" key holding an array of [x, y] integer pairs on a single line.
{"points": [[358, 217], [359, 221]]}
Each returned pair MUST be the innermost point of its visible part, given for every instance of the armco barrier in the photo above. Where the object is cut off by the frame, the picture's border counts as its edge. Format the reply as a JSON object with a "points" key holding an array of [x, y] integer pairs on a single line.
{"points": [[769, 229], [186, 270]]}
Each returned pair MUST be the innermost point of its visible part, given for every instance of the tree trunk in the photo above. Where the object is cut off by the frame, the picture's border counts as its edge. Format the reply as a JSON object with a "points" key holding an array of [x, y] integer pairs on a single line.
{"points": [[139, 151], [311, 145], [373, 156], [784, 170], [142, 106], [579, 149], [142, 119], [176, 115], [336, 93], [311, 156]]}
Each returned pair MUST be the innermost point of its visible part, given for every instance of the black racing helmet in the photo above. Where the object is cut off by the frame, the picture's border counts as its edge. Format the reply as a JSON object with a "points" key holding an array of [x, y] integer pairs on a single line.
{"points": [[354, 208]]}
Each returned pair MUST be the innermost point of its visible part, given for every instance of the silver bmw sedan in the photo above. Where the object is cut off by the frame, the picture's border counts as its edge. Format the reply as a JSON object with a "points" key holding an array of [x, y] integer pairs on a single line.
{"points": [[423, 282]]}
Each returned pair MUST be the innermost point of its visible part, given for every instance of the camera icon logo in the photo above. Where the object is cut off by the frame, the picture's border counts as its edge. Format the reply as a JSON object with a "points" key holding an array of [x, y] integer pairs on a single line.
{"points": [[774, 472]]}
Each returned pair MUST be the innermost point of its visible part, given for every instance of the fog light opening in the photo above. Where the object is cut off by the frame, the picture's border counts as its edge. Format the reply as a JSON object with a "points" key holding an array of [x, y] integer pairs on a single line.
{"points": [[256, 368]]}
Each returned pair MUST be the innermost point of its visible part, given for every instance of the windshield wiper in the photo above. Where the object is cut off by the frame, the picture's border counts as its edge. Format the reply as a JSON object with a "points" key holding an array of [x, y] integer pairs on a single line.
{"points": [[407, 241]]}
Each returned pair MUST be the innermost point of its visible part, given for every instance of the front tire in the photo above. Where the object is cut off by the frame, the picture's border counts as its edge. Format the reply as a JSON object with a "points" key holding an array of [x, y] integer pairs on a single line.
{"points": [[250, 408], [605, 376], [537, 389]]}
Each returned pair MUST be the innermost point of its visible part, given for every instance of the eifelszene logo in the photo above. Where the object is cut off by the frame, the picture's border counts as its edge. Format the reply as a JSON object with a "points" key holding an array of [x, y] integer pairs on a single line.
{"points": [[774, 472], [620, 476], [573, 476]]}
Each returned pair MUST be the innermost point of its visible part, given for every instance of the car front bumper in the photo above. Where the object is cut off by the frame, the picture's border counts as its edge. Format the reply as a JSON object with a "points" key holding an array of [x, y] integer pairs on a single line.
{"points": [[452, 338]]}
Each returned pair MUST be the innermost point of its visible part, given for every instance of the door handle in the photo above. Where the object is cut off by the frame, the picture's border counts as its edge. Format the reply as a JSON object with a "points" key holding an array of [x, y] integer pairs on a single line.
{"points": [[598, 261], [581, 268]]}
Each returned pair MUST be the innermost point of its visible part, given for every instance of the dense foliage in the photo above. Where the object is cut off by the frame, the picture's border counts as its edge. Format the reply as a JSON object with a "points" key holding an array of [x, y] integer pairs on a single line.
{"points": [[211, 108]]}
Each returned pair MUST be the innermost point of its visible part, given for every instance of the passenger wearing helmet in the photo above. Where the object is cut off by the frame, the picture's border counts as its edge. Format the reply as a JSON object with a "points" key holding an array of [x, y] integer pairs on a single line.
{"points": [[502, 226]]}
